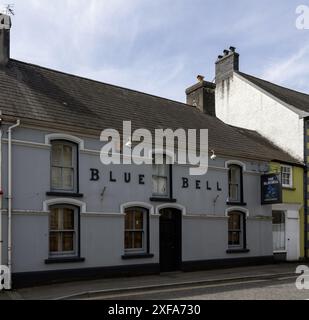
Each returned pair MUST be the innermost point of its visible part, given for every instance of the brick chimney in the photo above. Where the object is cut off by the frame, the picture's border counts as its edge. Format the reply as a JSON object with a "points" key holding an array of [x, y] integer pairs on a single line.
{"points": [[5, 27], [227, 64], [202, 96]]}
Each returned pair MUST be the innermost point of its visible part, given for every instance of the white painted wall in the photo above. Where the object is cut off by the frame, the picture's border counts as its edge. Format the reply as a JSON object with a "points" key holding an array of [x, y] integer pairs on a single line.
{"points": [[241, 104]]}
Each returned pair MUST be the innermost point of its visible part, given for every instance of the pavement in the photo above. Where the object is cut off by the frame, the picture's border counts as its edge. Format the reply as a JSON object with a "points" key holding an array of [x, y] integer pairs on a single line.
{"points": [[96, 288]]}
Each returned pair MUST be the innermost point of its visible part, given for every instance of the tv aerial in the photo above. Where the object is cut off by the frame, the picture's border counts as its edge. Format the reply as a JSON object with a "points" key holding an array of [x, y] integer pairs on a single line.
{"points": [[7, 9]]}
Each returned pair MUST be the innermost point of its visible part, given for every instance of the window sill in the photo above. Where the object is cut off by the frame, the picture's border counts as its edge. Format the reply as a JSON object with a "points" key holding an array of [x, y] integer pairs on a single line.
{"points": [[235, 251], [288, 188], [157, 199], [65, 194], [242, 204], [64, 260], [137, 256]]}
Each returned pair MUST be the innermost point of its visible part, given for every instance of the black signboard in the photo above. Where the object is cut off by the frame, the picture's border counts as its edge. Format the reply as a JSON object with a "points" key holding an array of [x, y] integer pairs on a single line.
{"points": [[271, 189]]}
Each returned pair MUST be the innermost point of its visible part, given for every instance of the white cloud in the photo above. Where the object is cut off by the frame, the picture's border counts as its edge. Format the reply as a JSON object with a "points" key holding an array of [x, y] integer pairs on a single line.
{"points": [[292, 71]]}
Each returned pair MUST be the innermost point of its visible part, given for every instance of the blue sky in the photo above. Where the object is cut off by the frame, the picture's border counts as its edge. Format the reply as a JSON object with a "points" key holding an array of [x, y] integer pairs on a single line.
{"points": [[160, 46]]}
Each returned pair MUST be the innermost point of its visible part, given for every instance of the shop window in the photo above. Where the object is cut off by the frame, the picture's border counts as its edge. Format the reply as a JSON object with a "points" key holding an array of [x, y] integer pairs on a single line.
{"points": [[64, 166], [136, 225], [63, 231], [279, 231]]}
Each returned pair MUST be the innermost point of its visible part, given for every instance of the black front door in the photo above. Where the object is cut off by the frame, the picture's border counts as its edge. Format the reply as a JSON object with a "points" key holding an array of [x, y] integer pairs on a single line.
{"points": [[170, 240]]}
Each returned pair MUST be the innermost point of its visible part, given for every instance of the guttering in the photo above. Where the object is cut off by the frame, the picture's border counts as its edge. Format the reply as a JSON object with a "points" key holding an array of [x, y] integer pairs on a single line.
{"points": [[10, 200]]}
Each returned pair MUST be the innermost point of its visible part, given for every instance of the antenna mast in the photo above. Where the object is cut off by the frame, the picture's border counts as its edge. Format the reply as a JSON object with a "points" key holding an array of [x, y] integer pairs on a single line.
{"points": [[7, 9]]}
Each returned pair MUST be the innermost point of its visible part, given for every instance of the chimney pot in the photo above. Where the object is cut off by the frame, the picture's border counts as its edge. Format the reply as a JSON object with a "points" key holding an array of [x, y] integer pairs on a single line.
{"points": [[200, 78], [225, 67]]}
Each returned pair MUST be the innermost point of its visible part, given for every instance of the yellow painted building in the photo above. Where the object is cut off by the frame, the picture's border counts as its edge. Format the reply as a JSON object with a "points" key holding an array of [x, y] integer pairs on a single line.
{"points": [[288, 217]]}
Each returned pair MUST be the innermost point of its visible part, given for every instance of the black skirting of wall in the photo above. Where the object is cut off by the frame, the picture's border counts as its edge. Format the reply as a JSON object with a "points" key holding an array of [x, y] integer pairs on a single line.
{"points": [[32, 279], [188, 266], [280, 257]]}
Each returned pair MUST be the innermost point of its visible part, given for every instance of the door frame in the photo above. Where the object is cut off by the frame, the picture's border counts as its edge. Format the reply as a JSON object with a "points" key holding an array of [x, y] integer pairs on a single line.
{"points": [[182, 211], [292, 214]]}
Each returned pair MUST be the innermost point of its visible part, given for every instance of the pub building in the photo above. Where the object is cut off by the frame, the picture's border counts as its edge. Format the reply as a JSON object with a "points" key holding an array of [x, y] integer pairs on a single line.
{"points": [[66, 216]]}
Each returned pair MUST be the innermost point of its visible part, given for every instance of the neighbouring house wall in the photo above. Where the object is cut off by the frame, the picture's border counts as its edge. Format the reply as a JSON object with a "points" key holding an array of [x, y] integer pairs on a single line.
{"points": [[295, 196], [241, 104]]}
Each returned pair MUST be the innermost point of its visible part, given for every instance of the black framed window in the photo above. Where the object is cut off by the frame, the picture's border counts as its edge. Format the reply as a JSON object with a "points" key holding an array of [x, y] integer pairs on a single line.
{"points": [[64, 166], [136, 230], [237, 230], [235, 184], [64, 232]]}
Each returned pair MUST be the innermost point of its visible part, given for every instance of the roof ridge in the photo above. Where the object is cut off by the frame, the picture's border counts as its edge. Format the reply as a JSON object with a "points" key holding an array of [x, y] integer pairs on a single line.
{"points": [[101, 82], [272, 83]]}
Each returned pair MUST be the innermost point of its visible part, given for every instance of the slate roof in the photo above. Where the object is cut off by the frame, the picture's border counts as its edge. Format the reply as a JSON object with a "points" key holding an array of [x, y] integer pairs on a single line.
{"points": [[274, 151], [54, 99], [294, 98]]}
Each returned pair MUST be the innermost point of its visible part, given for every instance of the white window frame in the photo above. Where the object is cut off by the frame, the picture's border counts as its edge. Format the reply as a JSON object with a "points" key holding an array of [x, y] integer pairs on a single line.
{"points": [[285, 231], [284, 185], [74, 166], [144, 231], [168, 160], [65, 254]]}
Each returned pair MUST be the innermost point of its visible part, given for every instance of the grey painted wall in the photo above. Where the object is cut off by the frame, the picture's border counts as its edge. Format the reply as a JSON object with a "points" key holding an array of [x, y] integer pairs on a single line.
{"points": [[102, 226]]}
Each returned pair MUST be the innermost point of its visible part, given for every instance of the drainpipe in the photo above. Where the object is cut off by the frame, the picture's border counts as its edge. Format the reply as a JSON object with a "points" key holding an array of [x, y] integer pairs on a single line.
{"points": [[10, 201], [1, 192], [306, 189]]}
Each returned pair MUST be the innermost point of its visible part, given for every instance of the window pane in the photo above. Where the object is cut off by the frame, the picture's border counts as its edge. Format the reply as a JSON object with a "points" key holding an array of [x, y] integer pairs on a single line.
{"points": [[234, 192], [56, 154], [138, 240], [54, 242], [234, 221], [56, 178], [68, 241], [128, 242], [129, 220], [139, 220], [54, 219], [68, 219], [234, 183], [159, 185], [68, 178], [162, 170], [67, 156], [234, 238], [279, 231]]}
